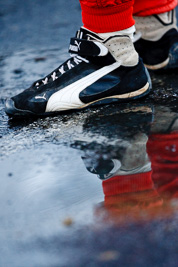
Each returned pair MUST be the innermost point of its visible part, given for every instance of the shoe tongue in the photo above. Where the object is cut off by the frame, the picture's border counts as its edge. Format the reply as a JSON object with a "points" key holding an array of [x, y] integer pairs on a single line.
{"points": [[84, 33]]}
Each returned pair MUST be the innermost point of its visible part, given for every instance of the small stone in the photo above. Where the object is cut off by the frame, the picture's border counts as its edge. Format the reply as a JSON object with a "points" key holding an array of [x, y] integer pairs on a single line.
{"points": [[37, 59], [68, 222], [109, 255], [18, 71]]}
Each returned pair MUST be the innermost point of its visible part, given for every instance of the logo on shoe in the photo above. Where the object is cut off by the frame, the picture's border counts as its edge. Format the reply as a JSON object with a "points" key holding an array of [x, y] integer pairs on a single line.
{"points": [[41, 97], [75, 47], [78, 44]]}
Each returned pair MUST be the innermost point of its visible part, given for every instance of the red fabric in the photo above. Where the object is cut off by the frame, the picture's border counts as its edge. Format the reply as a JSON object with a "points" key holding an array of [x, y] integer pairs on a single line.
{"points": [[115, 15], [107, 16], [127, 183], [150, 7], [163, 152], [151, 189], [133, 192]]}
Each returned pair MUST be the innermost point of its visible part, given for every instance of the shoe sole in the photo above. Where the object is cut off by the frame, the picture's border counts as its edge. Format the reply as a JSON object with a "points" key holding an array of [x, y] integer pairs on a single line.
{"points": [[12, 111], [170, 63], [158, 66], [129, 96]]}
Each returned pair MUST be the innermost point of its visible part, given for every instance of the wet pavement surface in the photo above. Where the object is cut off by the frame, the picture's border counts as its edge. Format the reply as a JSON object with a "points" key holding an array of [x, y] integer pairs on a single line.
{"points": [[92, 188]]}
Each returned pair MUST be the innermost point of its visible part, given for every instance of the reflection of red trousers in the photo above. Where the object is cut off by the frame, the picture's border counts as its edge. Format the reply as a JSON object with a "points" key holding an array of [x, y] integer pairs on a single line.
{"points": [[151, 188], [115, 15], [163, 153]]}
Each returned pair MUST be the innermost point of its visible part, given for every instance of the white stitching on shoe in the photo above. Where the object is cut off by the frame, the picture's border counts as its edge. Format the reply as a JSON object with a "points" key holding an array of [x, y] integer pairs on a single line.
{"points": [[77, 60], [53, 76], [61, 69], [45, 81]]}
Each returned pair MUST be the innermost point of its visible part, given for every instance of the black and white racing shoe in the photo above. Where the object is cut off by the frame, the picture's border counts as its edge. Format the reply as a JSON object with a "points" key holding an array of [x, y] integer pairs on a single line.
{"points": [[158, 42], [98, 71]]}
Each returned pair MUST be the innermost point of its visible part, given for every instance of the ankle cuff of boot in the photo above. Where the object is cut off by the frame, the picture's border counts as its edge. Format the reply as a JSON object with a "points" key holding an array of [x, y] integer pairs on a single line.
{"points": [[108, 19]]}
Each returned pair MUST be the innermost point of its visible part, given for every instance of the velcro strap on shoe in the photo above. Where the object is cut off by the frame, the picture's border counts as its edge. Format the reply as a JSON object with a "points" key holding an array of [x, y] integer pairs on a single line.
{"points": [[84, 47]]}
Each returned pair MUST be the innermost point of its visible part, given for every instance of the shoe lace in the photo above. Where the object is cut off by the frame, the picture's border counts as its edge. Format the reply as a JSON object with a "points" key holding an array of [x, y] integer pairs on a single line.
{"points": [[62, 69]]}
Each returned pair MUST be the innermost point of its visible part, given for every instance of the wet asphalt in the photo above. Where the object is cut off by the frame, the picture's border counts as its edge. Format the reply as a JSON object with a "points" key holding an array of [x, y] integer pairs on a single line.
{"points": [[53, 209]]}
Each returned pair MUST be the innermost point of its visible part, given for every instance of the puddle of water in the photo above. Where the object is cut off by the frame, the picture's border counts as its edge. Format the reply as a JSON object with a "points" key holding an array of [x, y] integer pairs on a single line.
{"points": [[88, 184], [91, 184]]}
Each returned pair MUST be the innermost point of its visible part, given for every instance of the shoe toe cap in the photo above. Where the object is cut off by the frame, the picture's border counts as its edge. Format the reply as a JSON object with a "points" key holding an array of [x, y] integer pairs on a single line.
{"points": [[10, 107], [12, 111]]}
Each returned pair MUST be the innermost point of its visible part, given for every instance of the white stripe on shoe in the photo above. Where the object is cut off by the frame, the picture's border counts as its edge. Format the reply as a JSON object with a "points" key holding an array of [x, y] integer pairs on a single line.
{"points": [[68, 97]]}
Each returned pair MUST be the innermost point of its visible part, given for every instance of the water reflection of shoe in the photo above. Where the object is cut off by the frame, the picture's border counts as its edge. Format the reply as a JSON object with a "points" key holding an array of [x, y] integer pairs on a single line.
{"points": [[155, 191], [128, 158], [158, 45], [99, 70], [116, 142]]}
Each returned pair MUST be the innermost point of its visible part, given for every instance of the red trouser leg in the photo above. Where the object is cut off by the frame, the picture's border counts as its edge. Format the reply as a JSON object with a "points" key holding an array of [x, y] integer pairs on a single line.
{"points": [[115, 15], [150, 7], [107, 15]]}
